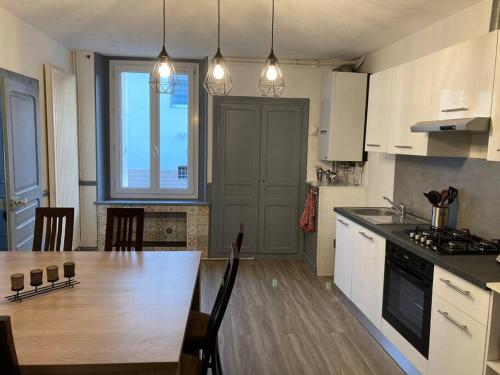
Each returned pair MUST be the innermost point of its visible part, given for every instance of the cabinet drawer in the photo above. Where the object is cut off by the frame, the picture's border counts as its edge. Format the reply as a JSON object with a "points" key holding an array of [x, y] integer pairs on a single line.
{"points": [[457, 342], [462, 294]]}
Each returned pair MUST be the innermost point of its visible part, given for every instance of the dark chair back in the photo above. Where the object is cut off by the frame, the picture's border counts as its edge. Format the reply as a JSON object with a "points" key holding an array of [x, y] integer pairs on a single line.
{"points": [[217, 315], [8, 356], [225, 279], [53, 218], [121, 238]]}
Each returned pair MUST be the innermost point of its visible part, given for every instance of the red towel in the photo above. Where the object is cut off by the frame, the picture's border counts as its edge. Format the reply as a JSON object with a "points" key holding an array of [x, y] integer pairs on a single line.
{"points": [[307, 218]]}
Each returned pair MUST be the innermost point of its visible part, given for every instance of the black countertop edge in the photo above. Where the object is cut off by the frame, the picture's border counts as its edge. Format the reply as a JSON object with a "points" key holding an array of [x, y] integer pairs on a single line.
{"points": [[477, 269], [140, 202]]}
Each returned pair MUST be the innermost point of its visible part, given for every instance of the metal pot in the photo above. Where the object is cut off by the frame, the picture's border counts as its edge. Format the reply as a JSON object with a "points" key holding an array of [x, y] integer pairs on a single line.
{"points": [[440, 216]]}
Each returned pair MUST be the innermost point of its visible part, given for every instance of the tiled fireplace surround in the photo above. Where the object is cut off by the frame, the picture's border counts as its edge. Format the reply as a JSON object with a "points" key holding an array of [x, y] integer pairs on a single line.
{"points": [[166, 223]]}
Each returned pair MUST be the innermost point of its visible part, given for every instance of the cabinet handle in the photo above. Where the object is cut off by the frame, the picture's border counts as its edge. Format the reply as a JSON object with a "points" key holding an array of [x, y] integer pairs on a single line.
{"points": [[463, 327], [457, 288], [403, 146], [366, 236], [498, 149], [372, 145], [458, 109], [343, 222], [323, 132]]}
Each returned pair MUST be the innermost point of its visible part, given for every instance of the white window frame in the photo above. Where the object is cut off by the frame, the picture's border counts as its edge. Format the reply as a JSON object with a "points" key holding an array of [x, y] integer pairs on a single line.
{"points": [[116, 67]]}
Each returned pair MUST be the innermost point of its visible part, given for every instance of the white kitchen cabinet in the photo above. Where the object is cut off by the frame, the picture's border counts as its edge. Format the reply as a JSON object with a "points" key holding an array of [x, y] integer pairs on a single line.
{"points": [[342, 120], [368, 273], [343, 255], [330, 197], [494, 137], [379, 105], [457, 341], [410, 103], [462, 83]]}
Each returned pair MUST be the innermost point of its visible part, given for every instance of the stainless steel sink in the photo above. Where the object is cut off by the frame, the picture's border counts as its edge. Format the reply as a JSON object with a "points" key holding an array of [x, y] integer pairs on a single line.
{"points": [[374, 211], [385, 215]]}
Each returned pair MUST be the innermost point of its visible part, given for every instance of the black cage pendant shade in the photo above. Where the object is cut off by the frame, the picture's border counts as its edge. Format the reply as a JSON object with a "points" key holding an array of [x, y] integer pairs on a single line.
{"points": [[271, 82], [218, 80], [163, 79]]}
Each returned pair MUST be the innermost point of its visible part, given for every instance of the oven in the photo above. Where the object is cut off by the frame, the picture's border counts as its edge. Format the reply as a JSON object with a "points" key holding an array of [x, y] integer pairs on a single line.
{"points": [[408, 295]]}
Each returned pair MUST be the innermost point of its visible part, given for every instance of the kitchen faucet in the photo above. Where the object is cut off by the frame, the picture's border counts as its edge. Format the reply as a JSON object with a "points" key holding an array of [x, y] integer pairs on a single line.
{"points": [[399, 207]]}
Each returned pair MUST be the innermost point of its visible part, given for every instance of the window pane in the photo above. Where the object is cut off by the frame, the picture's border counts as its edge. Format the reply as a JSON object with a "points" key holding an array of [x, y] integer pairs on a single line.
{"points": [[135, 125], [174, 117]]}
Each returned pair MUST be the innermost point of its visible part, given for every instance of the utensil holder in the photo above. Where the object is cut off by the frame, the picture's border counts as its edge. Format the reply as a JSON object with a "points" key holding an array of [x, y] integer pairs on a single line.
{"points": [[440, 217]]}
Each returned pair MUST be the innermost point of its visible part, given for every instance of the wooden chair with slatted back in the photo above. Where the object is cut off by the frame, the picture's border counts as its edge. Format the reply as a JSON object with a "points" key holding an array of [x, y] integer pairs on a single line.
{"points": [[54, 218], [8, 356], [120, 236]]}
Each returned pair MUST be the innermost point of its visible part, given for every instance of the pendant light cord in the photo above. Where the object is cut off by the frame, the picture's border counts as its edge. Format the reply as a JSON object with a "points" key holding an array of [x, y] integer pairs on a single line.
{"points": [[272, 29], [164, 20], [218, 24]]}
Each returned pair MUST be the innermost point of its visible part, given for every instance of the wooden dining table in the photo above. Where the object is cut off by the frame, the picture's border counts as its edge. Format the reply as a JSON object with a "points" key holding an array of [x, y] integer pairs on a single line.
{"points": [[128, 315]]}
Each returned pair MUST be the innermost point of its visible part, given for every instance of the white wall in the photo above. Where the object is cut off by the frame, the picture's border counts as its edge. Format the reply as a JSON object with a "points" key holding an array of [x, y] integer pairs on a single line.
{"points": [[24, 50], [454, 29], [301, 82]]}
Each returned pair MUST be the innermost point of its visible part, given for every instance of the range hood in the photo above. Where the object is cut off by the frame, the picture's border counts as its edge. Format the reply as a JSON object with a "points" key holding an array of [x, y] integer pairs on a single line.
{"points": [[470, 125]]}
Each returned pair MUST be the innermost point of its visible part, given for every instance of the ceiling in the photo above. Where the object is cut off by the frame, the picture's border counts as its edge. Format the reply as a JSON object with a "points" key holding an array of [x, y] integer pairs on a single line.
{"points": [[305, 29]]}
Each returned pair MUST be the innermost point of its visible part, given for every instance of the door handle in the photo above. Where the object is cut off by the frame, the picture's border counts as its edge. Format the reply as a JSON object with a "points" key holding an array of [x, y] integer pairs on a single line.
{"points": [[366, 236], [463, 327], [403, 146], [372, 145], [459, 109], [17, 202]]}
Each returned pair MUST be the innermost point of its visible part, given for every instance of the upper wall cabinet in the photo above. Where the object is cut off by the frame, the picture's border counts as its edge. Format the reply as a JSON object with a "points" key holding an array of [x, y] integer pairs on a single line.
{"points": [[410, 103], [462, 84], [379, 105], [343, 104], [494, 139]]}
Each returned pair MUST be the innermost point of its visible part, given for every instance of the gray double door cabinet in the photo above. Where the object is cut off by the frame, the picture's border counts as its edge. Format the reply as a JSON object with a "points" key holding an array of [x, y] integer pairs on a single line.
{"points": [[260, 151]]}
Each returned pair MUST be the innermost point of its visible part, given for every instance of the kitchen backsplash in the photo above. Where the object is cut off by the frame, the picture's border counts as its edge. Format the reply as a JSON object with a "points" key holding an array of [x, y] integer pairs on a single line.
{"points": [[478, 182]]}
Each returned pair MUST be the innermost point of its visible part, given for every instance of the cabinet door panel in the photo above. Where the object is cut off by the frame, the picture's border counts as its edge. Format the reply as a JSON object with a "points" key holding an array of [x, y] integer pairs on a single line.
{"points": [[410, 103], [463, 79], [379, 105], [343, 255], [368, 274], [457, 341], [494, 140]]}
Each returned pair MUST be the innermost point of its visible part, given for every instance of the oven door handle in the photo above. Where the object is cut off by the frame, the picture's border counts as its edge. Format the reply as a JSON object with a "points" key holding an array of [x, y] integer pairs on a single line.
{"points": [[406, 273]]}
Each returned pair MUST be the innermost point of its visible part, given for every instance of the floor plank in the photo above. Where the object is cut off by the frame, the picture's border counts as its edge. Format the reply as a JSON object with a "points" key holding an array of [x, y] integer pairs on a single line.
{"points": [[282, 319]]}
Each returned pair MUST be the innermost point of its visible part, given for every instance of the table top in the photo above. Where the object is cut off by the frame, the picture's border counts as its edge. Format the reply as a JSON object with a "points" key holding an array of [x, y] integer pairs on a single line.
{"points": [[129, 309]]}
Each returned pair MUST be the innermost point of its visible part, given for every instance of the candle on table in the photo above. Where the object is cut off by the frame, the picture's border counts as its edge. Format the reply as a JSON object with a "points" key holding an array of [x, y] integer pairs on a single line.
{"points": [[52, 274], [36, 278]]}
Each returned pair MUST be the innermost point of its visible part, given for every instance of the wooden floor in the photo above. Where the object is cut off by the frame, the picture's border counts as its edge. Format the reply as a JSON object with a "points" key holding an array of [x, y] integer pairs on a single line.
{"points": [[282, 319]]}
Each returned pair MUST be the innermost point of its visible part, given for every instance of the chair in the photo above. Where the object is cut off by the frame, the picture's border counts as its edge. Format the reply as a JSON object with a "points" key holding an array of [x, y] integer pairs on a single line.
{"points": [[202, 329], [8, 356], [54, 218], [124, 218]]}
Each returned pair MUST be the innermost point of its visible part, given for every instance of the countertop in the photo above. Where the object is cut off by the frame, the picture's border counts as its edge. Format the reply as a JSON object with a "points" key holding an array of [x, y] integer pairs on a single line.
{"points": [[477, 269]]}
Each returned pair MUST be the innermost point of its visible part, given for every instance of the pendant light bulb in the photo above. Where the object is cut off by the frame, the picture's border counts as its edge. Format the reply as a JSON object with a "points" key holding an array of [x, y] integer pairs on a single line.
{"points": [[271, 73], [218, 72], [164, 70]]}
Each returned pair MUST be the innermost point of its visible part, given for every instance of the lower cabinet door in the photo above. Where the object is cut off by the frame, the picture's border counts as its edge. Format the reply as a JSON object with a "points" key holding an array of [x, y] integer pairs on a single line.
{"points": [[368, 274], [457, 341], [343, 255]]}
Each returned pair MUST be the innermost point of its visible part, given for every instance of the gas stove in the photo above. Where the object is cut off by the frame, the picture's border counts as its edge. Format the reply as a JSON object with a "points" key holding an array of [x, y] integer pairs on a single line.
{"points": [[451, 241]]}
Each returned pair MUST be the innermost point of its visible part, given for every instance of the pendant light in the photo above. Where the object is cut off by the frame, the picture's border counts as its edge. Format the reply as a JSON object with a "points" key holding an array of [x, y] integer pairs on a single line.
{"points": [[163, 78], [271, 82], [218, 81]]}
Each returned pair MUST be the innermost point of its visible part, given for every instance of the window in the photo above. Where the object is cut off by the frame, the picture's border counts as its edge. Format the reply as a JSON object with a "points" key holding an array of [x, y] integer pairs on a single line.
{"points": [[154, 138]]}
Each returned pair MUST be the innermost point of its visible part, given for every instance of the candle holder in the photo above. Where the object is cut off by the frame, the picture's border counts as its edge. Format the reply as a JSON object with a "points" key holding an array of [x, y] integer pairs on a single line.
{"points": [[17, 283], [36, 280]]}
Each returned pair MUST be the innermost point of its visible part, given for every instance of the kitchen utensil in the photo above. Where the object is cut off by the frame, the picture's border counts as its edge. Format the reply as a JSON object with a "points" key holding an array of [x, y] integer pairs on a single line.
{"points": [[444, 197], [440, 216], [434, 197], [319, 174], [452, 194]]}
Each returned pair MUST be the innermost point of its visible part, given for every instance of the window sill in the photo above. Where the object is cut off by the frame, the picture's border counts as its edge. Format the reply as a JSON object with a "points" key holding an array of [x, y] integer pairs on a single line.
{"points": [[152, 202]]}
